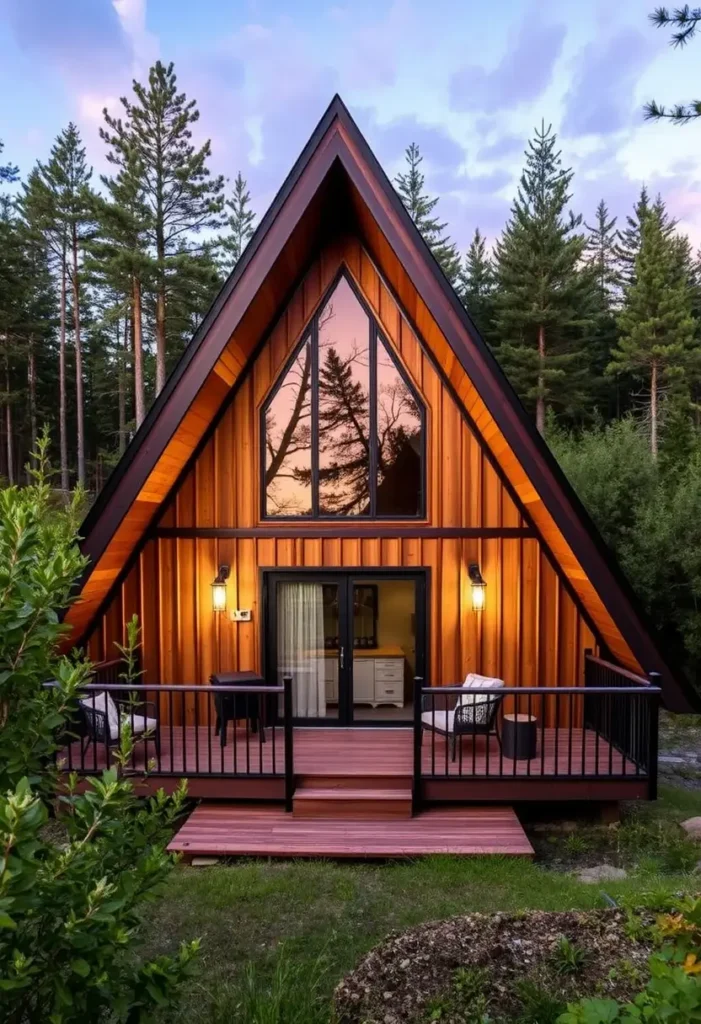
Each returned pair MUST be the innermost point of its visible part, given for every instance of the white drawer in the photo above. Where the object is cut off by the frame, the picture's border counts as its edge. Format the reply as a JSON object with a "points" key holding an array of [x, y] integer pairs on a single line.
{"points": [[389, 691], [389, 668]]}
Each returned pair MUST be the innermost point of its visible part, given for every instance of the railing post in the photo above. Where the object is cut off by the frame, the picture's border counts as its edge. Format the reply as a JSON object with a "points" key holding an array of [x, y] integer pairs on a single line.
{"points": [[416, 790], [289, 751], [655, 680]]}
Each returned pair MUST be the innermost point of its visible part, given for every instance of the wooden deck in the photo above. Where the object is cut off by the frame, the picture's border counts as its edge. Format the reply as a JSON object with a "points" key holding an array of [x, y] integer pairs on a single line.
{"points": [[366, 751], [230, 830]]}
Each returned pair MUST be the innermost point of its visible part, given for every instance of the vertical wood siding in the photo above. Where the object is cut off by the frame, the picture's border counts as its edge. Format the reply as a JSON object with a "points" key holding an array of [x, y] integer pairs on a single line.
{"points": [[530, 633]]}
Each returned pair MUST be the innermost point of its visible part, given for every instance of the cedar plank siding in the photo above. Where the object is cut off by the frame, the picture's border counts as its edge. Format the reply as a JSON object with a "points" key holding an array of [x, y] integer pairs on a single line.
{"points": [[531, 631]]}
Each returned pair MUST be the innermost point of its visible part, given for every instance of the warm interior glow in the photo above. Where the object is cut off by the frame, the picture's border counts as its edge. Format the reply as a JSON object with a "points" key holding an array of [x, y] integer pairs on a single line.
{"points": [[478, 595], [219, 597]]}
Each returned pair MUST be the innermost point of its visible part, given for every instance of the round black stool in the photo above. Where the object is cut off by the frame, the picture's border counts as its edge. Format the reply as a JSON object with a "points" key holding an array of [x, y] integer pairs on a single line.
{"points": [[519, 736]]}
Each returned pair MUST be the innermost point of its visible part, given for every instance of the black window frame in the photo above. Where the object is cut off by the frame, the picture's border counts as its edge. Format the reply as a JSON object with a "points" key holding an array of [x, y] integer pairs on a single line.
{"points": [[310, 334]]}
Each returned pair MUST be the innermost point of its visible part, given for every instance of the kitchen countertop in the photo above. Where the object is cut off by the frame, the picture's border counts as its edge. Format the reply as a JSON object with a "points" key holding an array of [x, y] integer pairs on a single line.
{"points": [[369, 652]]}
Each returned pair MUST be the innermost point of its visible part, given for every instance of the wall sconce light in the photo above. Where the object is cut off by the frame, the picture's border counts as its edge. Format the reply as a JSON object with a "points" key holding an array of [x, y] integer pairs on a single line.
{"points": [[219, 589], [478, 586]]}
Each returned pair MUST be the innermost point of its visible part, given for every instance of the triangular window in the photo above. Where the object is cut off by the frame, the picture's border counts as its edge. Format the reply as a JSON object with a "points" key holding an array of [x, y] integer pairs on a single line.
{"points": [[344, 430]]}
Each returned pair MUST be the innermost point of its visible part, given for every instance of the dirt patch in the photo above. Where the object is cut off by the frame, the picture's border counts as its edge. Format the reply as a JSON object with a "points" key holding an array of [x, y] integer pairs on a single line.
{"points": [[429, 972]]}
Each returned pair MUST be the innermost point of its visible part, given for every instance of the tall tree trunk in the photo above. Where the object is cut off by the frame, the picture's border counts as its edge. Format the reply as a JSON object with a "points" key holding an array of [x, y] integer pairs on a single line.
{"points": [[122, 350], [32, 392], [160, 337], [160, 290], [8, 422], [78, 361], [139, 404], [62, 433], [540, 401], [653, 410]]}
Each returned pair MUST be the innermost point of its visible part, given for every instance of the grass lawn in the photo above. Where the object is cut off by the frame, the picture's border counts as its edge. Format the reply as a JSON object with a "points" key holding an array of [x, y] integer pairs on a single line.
{"points": [[278, 936]]}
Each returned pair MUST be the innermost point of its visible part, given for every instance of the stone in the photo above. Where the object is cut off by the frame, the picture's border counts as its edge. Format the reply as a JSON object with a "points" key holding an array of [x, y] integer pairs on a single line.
{"points": [[601, 873], [204, 862], [692, 826]]}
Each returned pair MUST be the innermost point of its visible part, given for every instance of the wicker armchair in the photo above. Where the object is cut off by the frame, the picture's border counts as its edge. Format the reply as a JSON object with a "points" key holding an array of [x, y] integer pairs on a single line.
{"points": [[101, 718], [473, 715]]}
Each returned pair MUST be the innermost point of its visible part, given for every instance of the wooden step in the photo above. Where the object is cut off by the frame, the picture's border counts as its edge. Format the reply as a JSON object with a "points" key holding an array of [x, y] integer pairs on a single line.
{"points": [[237, 830], [341, 780], [343, 802]]}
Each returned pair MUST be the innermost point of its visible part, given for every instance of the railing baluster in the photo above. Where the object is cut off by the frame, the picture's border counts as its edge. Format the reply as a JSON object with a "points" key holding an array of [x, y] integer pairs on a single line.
{"points": [[289, 751]]}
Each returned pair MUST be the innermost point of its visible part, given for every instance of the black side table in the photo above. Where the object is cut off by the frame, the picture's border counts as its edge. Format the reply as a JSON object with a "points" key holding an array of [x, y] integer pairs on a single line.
{"points": [[238, 705], [519, 736]]}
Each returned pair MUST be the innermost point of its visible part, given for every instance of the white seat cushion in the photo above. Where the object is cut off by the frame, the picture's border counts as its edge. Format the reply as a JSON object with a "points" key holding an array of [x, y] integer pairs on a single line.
{"points": [[440, 720], [104, 703], [139, 723]]}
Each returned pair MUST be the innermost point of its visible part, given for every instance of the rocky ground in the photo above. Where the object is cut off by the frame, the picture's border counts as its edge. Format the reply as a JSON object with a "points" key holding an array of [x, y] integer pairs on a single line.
{"points": [[499, 964], [680, 750]]}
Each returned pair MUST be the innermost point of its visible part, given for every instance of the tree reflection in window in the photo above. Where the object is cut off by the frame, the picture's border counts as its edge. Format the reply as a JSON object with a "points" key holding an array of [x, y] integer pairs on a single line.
{"points": [[344, 412], [288, 441], [399, 441], [367, 421]]}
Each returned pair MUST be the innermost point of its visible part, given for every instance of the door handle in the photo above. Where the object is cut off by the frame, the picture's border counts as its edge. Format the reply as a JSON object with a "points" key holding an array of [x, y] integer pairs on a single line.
{"points": [[342, 657]]}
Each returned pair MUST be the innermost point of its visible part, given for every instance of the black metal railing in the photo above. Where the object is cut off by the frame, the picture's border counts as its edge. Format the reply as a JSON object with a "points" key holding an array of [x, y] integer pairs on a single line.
{"points": [[235, 732], [606, 732], [612, 716]]}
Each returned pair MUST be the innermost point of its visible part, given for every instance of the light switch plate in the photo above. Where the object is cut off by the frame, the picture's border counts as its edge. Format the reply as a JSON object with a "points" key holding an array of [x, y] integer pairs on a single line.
{"points": [[240, 614]]}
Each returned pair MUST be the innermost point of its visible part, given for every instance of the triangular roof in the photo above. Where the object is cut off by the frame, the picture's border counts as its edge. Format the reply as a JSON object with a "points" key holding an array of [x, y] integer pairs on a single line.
{"points": [[337, 161]]}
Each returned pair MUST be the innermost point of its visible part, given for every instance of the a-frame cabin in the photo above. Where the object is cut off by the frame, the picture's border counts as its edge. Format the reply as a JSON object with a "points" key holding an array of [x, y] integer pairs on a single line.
{"points": [[339, 498]]}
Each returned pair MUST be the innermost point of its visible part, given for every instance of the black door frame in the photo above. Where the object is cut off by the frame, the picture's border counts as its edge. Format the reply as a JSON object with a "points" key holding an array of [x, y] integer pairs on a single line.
{"points": [[270, 576]]}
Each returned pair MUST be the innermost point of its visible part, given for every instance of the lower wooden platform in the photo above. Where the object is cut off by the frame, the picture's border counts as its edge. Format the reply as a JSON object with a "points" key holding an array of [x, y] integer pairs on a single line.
{"points": [[232, 830]]}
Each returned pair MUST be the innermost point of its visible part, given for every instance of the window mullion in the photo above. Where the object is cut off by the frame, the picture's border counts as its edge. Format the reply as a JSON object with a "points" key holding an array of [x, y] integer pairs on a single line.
{"points": [[372, 400], [315, 417]]}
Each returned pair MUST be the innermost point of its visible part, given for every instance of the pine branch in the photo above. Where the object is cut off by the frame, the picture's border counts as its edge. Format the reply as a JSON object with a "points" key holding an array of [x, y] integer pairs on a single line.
{"points": [[686, 19]]}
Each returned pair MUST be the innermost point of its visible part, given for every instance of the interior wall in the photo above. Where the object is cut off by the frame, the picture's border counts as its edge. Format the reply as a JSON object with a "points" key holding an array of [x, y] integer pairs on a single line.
{"points": [[530, 632], [396, 616]]}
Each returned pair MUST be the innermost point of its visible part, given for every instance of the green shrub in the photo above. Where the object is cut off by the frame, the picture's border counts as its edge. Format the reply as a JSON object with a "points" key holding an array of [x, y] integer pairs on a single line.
{"points": [[70, 911], [537, 1005]]}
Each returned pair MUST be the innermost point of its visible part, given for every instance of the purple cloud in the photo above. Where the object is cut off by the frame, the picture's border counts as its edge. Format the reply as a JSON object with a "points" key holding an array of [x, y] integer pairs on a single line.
{"points": [[600, 100], [77, 36], [502, 147], [522, 74], [390, 140]]}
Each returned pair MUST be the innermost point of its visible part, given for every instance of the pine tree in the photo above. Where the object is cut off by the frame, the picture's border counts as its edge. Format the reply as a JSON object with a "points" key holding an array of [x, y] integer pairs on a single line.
{"points": [[120, 257], [656, 342], [60, 204], [545, 299], [239, 222], [686, 21], [420, 206], [628, 245], [601, 257], [181, 197], [476, 284], [8, 173]]}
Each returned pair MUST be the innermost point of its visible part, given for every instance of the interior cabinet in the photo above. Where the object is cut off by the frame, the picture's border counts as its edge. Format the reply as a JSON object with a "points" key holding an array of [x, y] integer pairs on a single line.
{"points": [[364, 681]]}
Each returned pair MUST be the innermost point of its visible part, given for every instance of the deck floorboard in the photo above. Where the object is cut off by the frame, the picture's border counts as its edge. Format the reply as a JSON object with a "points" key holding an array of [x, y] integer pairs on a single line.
{"points": [[231, 830], [363, 752]]}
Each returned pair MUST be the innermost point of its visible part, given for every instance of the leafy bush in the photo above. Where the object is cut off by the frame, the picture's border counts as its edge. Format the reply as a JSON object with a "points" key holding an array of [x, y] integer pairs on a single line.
{"points": [[673, 994], [648, 514], [70, 907]]}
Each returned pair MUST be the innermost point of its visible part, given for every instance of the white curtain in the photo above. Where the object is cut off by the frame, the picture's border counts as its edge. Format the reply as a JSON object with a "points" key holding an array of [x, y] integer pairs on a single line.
{"points": [[300, 646]]}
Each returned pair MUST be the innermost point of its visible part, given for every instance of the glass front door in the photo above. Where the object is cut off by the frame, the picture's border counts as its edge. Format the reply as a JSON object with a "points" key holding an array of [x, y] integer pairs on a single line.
{"points": [[351, 642]]}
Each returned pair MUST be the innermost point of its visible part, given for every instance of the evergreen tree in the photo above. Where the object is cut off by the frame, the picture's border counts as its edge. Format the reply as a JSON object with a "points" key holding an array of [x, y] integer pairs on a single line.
{"points": [[60, 204], [628, 245], [410, 187], [181, 197], [120, 259], [656, 342], [477, 283], [601, 257], [685, 20], [545, 306], [239, 222], [8, 173]]}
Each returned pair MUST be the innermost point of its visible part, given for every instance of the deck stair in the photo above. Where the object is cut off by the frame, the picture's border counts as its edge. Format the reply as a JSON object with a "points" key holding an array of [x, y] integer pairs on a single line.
{"points": [[347, 802], [246, 830]]}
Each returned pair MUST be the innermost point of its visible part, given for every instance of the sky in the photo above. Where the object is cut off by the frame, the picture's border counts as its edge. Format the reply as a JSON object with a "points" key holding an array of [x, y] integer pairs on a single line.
{"points": [[466, 81]]}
